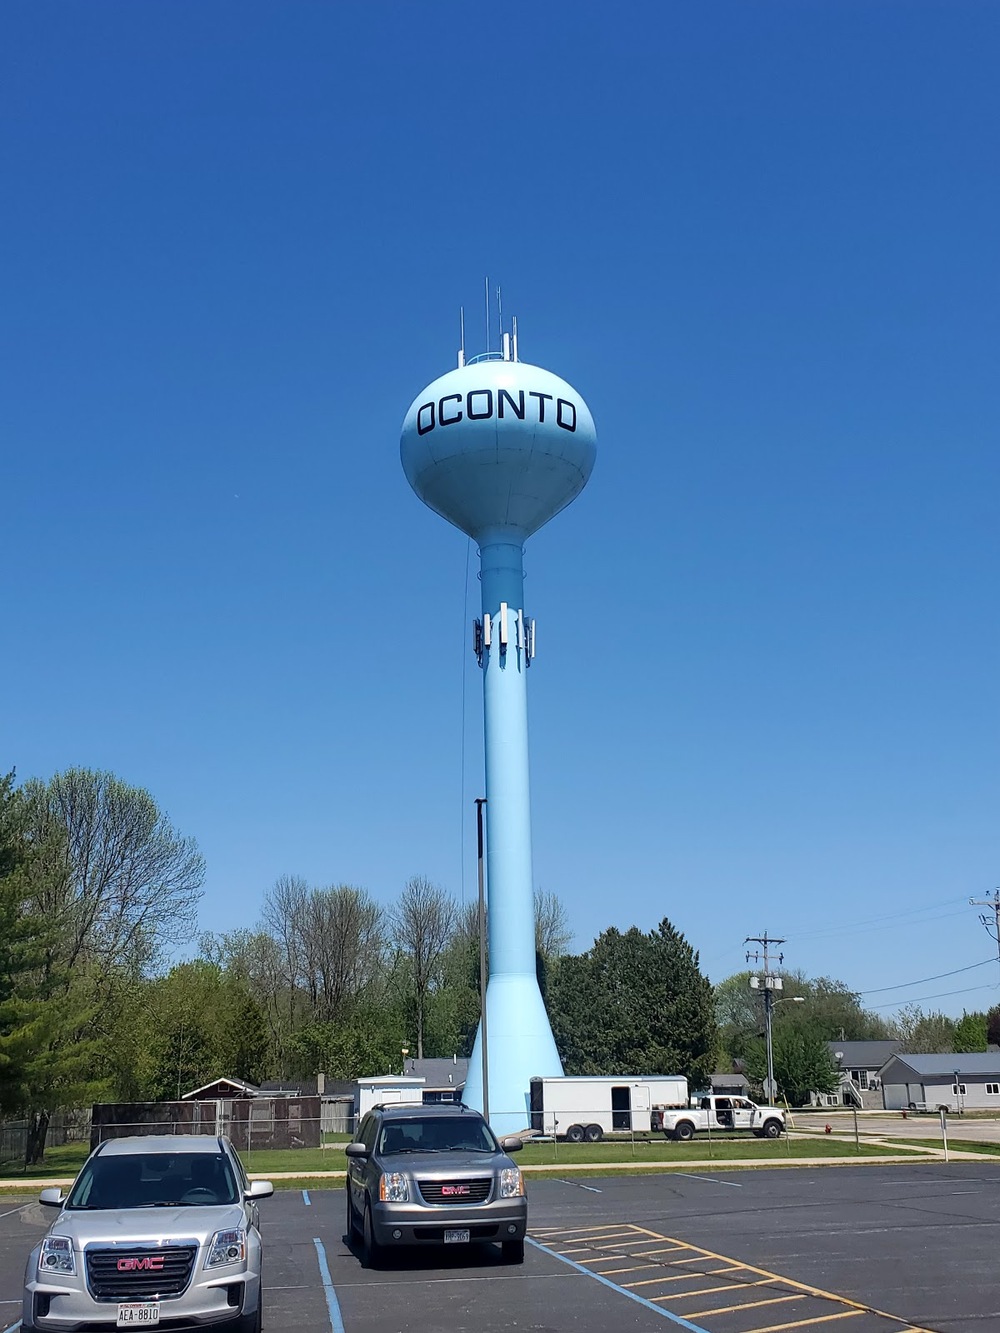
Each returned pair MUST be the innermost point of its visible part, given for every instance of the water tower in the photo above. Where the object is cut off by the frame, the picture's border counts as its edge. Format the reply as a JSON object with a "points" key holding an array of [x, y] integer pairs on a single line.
{"points": [[498, 447]]}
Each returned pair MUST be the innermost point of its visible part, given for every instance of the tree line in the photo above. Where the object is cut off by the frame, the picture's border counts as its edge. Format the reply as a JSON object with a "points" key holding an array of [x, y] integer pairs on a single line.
{"points": [[98, 892]]}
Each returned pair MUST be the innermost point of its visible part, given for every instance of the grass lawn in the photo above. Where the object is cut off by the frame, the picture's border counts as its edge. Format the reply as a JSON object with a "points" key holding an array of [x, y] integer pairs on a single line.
{"points": [[66, 1161], [561, 1155], [960, 1145]]}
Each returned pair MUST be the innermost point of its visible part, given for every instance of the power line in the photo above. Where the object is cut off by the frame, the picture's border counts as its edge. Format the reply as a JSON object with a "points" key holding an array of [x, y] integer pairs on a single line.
{"points": [[919, 999], [893, 918], [880, 990], [992, 927]]}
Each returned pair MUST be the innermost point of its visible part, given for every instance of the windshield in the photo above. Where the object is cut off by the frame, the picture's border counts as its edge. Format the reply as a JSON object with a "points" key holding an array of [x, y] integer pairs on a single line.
{"points": [[155, 1180], [437, 1134]]}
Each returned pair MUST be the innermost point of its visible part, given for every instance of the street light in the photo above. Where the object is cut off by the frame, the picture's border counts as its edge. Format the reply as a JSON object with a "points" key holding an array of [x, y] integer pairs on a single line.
{"points": [[771, 984]]}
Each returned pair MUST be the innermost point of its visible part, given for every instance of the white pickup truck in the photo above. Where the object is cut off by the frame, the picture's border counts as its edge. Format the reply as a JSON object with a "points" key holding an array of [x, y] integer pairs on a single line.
{"points": [[721, 1114]]}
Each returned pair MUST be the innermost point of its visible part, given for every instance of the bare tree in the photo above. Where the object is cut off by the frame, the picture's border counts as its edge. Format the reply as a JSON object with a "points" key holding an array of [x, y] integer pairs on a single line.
{"points": [[128, 884], [343, 944], [552, 930], [282, 919], [422, 927], [331, 943]]}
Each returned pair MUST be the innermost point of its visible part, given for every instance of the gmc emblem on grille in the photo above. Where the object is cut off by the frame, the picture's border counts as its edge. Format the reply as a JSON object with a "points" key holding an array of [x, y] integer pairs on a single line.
{"points": [[455, 1189], [151, 1263]]}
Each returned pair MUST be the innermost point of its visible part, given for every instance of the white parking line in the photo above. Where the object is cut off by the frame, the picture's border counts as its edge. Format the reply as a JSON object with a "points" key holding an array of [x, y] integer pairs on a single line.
{"points": [[306, 1199], [16, 1210], [12, 1327]]}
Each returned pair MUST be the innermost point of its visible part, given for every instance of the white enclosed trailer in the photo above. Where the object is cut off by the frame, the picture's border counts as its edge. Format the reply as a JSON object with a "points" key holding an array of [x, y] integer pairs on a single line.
{"points": [[587, 1108]]}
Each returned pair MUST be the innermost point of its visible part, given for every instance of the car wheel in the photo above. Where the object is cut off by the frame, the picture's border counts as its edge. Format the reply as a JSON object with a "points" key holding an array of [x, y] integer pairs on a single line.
{"points": [[684, 1131], [513, 1251], [772, 1129], [352, 1225], [593, 1133], [575, 1134], [252, 1323], [371, 1250]]}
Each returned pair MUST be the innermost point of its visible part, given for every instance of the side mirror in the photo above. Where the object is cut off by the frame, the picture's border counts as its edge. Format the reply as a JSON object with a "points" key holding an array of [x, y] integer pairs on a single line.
{"points": [[52, 1197], [512, 1143], [260, 1189], [356, 1150]]}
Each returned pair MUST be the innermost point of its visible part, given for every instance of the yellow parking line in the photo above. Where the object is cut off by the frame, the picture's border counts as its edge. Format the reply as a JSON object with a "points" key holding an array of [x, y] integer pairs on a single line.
{"points": [[728, 1286], [856, 1306], [801, 1323], [747, 1305], [578, 1231], [683, 1277], [636, 1268]]}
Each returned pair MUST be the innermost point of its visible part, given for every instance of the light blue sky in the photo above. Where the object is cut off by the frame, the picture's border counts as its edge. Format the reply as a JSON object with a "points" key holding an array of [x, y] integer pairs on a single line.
{"points": [[761, 240]]}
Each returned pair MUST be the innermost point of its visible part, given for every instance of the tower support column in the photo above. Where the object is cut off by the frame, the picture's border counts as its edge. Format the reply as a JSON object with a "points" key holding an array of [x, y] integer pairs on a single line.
{"points": [[521, 1045]]}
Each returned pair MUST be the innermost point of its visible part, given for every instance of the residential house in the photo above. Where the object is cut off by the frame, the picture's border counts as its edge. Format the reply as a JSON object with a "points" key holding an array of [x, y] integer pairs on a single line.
{"points": [[858, 1064], [955, 1082]]}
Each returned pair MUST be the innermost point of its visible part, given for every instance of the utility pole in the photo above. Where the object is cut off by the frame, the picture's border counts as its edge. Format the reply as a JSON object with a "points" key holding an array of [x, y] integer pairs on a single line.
{"points": [[480, 802], [769, 982], [992, 927]]}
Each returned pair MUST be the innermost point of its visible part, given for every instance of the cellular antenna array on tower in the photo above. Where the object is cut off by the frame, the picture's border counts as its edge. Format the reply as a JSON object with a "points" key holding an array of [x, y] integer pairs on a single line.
{"points": [[498, 447]]}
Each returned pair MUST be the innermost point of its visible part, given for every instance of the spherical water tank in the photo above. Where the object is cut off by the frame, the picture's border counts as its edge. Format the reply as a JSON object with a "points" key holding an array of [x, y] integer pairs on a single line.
{"points": [[498, 447]]}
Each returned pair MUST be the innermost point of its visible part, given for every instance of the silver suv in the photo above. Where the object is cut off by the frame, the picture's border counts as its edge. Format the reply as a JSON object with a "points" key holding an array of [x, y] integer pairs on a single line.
{"points": [[433, 1175], [156, 1231]]}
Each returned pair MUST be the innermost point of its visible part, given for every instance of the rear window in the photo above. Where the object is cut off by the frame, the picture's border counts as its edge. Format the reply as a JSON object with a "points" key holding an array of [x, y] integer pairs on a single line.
{"points": [[436, 1134], [155, 1180]]}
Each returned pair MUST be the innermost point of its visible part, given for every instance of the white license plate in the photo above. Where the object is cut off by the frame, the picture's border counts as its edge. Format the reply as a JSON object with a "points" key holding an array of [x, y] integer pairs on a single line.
{"points": [[456, 1236], [138, 1314]]}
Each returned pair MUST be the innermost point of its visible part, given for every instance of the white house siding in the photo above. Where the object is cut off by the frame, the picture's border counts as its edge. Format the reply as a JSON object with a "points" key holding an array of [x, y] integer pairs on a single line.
{"points": [[899, 1096]]}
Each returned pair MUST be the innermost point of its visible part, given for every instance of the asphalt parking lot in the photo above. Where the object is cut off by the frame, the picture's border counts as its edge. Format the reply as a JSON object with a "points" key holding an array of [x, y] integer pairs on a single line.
{"points": [[875, 1249]]}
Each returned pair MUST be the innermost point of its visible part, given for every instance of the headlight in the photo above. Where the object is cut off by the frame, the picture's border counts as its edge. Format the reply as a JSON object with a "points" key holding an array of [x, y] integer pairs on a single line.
{"points": [[511, 1183], [56, 1256], [227, 1247], [392, 1188]]}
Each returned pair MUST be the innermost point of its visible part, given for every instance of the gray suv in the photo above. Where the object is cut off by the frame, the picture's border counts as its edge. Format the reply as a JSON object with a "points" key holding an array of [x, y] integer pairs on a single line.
{"points": [[156, 1232], [433, 1175]]}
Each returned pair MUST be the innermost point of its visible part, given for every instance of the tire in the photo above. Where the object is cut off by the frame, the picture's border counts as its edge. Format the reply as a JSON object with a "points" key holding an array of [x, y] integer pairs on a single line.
{"points": [[352, 1225], [371, 1250], [575, 1134], [772, 1129], [512, 1251], [684, 1131], [593, 1133], [252, 1323]]}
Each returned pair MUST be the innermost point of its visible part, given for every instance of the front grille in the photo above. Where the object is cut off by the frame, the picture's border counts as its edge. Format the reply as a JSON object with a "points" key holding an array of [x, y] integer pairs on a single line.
{"points": [[109, 1282], [475, 1190]]}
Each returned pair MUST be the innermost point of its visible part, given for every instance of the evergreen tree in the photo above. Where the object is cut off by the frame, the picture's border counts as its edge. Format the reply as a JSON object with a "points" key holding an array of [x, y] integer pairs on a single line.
{"points": [[635, 1003]]}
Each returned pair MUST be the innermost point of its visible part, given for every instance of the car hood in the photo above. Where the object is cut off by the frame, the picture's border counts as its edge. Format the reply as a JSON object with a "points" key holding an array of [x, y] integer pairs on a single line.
{"points": [[158, 1226], [450, 1163]]}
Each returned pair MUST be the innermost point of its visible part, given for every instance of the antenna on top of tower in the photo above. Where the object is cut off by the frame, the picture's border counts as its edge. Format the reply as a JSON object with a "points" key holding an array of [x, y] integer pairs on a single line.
{"points": [[487, 313], [461, 347], [513, 324]]}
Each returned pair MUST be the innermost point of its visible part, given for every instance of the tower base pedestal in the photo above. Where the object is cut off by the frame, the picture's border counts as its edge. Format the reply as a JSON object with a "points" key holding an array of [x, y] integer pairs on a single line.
{"points": [[520, 1047]]}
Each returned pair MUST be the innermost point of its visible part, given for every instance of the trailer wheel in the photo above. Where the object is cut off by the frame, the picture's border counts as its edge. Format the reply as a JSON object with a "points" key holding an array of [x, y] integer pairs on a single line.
{"points": [[593, 1133], [575, 1134], [684, 1130]]}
